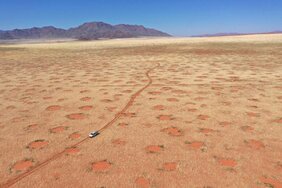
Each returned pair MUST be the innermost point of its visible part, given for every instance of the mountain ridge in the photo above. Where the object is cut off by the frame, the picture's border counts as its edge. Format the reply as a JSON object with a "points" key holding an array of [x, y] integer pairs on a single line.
{"points": [[85, 31]]}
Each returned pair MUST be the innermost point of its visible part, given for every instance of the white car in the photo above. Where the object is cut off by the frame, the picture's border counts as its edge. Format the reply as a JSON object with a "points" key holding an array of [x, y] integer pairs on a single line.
{"points": [[93, 134]]}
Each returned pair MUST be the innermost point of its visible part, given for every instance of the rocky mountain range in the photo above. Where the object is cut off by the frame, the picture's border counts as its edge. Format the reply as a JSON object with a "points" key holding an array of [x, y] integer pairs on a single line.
{"points": [[86, 31]]}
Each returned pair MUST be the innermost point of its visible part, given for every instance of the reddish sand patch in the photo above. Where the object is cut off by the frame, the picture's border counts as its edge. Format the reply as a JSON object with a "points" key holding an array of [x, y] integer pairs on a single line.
{"points": [[54, 108], [191, 109], [84, 91], [171, 166], [255, 144], [206, 130], [127, 91], [119, 142], [62, 99], [203, 105], [129, 114], [37, 144], [225, 123], [153, 148], [10, 107], [226, 103], [252, 114], [57, 129], [255, 100], [172, 131], [279, 166], [155, 92], [72, 150], [278, 120], [76, 116], [106, 100], [123, 125], [203, 117], [142, 182], [75, 135], [179, 91], [227, 162], [101, 166], [23, 165], [195, 144], [47, 98], [166, 88], [86, 107], [200, 98], [85, 99], [165, 117], [56, 176], [32, 127], [172, 100], [159, 107], [111, 109], [271, 182], [247, 128]]}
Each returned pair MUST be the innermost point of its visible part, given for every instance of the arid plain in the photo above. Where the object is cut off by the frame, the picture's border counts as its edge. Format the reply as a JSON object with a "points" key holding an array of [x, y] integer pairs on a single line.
{"points": [[179, 112]]}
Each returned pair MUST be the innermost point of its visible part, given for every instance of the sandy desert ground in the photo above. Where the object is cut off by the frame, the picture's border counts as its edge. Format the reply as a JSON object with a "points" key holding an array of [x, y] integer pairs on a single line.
{"points": [[176, 112]]}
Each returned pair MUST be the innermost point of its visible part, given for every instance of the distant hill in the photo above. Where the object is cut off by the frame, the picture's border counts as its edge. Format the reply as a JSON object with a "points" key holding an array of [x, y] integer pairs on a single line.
{"points": [[235, 34], [86, 31]]}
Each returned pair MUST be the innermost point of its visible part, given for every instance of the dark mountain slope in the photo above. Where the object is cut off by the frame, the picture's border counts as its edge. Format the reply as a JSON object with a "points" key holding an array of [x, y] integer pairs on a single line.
{"points": [[91, 30]]}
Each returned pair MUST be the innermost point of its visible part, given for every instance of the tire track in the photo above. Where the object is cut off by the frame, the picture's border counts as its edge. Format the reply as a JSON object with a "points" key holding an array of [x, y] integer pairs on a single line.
{"points": [[37, 167]]}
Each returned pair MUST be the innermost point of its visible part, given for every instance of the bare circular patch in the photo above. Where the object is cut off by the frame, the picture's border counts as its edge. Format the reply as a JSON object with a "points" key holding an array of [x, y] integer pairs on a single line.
{"points": [[142, 182], [23, 165], [159, 107], [129, 114], [37, 144], [76, 116], [172, 131], [101, 166], [57, 129], [271, 181], [106, 100], [118, 142], [172, 100], [72, 150], [225, 123], [75, 135], [203, 117], [165, 117], [278, 120], [255, 144], [155, 92], [247, 128], [252, 114], [227, 162], [153, 148], [206, 130], [170, 166], [123, 125], [85, 99], [32, 127], [54, 108], [86, 107], [195, 144]]}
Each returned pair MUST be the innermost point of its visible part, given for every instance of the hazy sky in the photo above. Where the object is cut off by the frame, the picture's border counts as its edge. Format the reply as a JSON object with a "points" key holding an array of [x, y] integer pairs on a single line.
{"points": [[177, 17]]}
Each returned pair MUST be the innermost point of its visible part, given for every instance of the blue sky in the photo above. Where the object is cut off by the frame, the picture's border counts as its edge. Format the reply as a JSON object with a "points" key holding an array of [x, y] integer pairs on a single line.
{"points": [[177, 17]]}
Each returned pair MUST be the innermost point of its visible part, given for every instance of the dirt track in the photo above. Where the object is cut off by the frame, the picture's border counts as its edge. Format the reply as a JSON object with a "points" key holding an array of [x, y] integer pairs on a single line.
{"points": [[210, 118]]}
